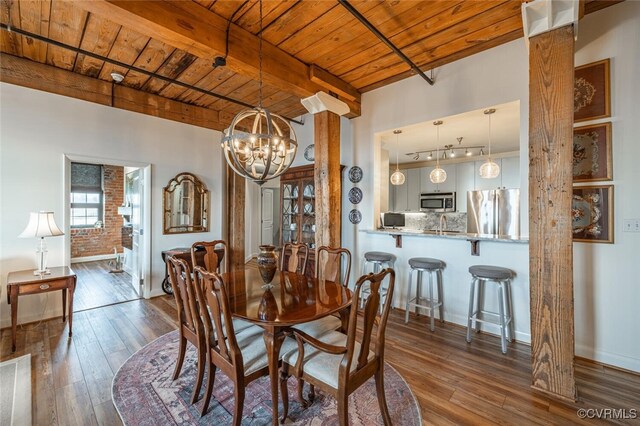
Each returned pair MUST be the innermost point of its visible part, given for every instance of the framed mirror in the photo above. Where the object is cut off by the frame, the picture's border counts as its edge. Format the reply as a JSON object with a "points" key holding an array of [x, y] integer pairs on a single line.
{"points": [[186, 205]]}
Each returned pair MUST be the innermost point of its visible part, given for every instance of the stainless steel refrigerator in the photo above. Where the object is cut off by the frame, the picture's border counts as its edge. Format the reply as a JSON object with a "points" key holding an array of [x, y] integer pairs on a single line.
{"points": [[494, 212]]}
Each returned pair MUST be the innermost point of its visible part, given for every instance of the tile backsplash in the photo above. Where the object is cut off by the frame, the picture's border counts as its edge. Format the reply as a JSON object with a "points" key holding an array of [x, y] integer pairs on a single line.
{"points": [[424, 221]]}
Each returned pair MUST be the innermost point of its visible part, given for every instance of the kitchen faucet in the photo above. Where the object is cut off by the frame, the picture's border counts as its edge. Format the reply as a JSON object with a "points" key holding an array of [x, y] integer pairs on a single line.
{"points": [[443, 223]]}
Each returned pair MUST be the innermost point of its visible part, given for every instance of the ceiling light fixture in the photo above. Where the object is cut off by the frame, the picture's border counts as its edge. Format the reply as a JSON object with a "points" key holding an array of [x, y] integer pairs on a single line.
{"points": [[430, 156], [438, 175], [259, 145], [397, 178], [489, 169], [417, 156]]}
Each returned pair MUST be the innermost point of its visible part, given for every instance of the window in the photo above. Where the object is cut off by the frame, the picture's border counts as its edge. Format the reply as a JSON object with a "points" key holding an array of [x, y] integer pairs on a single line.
{"points": [[87, 198]]}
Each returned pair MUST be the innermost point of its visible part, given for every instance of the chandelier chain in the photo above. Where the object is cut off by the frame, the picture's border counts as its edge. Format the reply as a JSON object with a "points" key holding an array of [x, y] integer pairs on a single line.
{"points": [[260, 59]]}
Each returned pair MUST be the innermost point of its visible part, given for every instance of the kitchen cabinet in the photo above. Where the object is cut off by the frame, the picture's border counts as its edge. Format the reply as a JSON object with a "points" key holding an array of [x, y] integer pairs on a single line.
{"points": [[413, 189], [400, 196], [448, 185], [465, 181], [510, 172]]}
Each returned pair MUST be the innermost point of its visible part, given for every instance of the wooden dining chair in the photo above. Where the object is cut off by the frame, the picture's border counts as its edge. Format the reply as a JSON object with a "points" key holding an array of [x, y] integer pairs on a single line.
{"points": [[332, 264], [189, 323], [297, 252], [242, 357], [211, 261], [337, 363]]}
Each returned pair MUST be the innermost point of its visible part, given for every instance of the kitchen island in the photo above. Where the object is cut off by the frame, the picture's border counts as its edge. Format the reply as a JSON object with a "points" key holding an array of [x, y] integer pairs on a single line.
{"points": [[454, 249]]}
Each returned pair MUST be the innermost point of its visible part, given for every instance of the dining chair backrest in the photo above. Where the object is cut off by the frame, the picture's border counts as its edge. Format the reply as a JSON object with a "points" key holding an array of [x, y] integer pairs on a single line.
{"points": [[333, 264], [372, 317], [184, 293], [216, 317], [297, 259], [212, 261]]}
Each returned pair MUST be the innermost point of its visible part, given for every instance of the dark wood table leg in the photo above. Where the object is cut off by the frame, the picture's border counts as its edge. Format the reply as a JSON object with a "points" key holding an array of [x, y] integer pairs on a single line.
{"points": [[13, 297], [273, 338], [64, 304], [72, 289]]}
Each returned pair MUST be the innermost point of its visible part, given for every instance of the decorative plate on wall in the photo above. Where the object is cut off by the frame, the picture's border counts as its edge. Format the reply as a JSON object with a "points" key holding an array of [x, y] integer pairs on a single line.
{"points": [[309, 153], [355, 195], [355, 216], [355, 174]]}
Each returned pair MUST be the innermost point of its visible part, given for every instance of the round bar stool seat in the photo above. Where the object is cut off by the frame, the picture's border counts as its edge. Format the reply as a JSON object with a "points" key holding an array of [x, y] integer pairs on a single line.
{"points": [[430, 266], [491, 272], [378, 259], [426, 263], [501, 277]]}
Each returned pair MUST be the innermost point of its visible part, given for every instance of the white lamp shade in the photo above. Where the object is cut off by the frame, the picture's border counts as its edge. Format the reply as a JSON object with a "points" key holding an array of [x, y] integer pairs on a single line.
{"points": [[438, 175], [41, 224], [489, 170], [397, 178]]}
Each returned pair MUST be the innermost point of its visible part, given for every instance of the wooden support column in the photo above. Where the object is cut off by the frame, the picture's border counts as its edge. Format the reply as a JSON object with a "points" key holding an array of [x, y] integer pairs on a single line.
{"points": [[236, 194], [551, 73], [327, 179]]}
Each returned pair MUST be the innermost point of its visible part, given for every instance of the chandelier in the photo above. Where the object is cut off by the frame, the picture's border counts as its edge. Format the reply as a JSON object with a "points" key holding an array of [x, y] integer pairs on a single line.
{"points": [[397, 178], [489, 169], [259, 145], [438, 175]]}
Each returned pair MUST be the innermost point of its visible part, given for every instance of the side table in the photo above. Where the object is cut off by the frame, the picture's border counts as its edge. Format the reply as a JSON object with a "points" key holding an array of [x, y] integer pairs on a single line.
{"points": [[20, 283]]}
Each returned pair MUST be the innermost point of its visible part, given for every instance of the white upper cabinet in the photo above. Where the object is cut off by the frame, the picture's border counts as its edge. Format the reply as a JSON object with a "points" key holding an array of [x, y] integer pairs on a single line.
{"points": [[448, 185], [510, 172], [465, 175], [413, 189]]}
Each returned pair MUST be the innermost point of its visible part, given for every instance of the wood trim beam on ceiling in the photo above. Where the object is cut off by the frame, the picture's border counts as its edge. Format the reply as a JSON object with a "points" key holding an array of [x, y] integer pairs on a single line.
{"points": [[190, 27], [26, 73]]}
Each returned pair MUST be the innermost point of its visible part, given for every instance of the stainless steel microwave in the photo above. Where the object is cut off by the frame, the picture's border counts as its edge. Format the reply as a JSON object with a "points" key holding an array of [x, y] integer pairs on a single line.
{"points": [[438, 201]]}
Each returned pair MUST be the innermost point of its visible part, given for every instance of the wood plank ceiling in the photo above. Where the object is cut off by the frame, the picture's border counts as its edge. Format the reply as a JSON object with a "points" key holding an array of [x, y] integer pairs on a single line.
{"points": [[319, 32]]}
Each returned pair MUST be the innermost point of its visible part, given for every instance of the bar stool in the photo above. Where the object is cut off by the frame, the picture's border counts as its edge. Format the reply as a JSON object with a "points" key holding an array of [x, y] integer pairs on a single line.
{"points": [[502, 278], [430, 266], [378, 259]]}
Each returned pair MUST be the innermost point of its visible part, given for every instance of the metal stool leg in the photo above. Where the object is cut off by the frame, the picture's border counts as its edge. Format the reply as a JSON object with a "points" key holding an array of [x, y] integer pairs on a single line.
{"points": [[509, 311], [472, 293], [432, 303], [418, 292], [406, 309], [440, 297], [503, 338], [479, 303]]}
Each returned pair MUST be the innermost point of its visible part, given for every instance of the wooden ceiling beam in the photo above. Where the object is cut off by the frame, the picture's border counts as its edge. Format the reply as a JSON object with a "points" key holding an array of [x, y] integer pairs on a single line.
{"points": [[26, 73], [190, 27]]}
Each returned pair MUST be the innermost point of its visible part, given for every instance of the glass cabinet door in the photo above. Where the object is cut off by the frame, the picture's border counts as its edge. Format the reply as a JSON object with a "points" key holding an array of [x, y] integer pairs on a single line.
{"points": [[308, 213], [290, 212]]}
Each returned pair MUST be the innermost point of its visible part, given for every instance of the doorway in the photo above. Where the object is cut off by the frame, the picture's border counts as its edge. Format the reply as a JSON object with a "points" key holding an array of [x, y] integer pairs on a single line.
{"points": [[269, 216], [105, 241]]}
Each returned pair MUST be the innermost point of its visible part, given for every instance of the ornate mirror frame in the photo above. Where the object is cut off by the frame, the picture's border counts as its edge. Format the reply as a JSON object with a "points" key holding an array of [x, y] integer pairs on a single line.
{"points": [[185, 203]]}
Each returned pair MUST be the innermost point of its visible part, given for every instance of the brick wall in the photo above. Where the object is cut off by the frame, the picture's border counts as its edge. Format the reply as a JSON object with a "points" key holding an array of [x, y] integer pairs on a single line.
{"points": [[99, 241]]}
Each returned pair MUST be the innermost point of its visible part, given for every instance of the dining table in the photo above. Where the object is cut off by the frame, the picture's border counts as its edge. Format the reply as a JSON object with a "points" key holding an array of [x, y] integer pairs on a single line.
{"points": [[290, 299]]}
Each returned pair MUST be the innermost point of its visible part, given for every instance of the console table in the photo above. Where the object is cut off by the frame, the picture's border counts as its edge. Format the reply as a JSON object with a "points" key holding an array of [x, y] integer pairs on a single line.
{"points": [[20, 283]]}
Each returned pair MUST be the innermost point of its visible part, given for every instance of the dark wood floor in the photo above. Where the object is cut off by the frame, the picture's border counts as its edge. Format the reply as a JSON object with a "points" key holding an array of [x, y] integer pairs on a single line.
{"points": [[455, 383], [97, 287]]}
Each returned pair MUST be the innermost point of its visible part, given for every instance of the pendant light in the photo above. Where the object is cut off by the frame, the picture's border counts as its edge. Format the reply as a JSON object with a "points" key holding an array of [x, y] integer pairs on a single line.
{"points": [[397, 178], [489, 169], [259, 145], [438, 175]]}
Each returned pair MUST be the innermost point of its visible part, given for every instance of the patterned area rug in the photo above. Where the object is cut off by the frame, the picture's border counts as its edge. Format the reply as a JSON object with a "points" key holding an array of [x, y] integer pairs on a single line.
{"points": [[144, 394]]}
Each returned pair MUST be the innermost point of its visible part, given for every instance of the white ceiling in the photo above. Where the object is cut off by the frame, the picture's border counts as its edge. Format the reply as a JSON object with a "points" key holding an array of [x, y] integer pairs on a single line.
{"points": [[472, 126]]}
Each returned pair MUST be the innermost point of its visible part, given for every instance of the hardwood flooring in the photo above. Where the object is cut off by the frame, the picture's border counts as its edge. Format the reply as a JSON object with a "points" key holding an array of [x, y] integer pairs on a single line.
{"points": [[454, 382], [97, 287]]}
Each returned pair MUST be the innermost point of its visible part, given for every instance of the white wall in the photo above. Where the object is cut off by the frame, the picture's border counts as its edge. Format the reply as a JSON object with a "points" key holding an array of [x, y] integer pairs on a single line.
{"points": [[38, 129], [606, 285]]}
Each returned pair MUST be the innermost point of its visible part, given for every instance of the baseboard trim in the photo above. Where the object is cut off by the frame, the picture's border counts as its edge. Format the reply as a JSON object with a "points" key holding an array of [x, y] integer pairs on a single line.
{"points": [[607, 359], [93, 258]]}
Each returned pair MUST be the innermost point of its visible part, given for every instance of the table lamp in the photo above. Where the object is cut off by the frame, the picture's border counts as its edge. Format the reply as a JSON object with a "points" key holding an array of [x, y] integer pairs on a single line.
{"points": [[41, 224]]}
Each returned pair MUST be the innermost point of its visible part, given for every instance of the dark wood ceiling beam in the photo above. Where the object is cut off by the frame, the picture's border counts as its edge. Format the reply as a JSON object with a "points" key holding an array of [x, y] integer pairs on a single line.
{"points": [[26, 73], [190, 27]]}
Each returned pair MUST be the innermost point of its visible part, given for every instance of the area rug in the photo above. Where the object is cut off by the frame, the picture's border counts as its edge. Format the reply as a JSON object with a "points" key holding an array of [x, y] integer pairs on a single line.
{"points": [[144, 394], [15, 391]]}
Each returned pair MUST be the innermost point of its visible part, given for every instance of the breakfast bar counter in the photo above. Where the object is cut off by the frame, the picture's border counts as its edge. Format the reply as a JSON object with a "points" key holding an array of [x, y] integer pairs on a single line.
{"points": [[456, 250]]}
